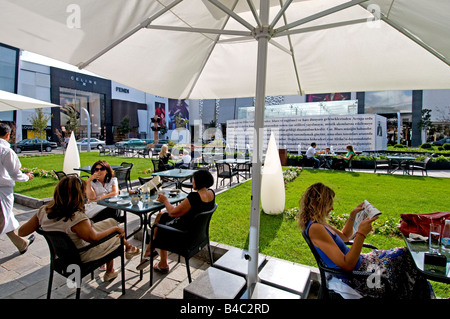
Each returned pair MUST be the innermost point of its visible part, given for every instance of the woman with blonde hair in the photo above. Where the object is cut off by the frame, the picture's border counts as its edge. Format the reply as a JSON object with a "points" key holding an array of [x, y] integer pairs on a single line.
{"points": [[164, 157], [66, 213], [395, 264]]}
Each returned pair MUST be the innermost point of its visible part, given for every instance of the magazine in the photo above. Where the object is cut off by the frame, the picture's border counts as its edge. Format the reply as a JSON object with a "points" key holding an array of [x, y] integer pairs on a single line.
{"points": [[369, 211]]}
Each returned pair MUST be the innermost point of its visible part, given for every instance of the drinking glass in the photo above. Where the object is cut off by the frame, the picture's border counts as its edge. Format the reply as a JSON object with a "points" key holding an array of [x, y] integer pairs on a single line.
{"points": [[434, 238]]}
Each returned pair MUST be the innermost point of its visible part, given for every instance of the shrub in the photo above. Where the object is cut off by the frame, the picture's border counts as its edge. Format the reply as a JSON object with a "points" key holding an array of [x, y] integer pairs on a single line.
{"points": [[426, 145], [37, 172], [446, 146], [291, 213], [291, 173], [400, 146]]}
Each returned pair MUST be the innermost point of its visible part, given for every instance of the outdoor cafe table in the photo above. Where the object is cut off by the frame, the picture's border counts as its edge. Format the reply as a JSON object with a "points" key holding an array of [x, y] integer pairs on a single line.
{"points": [[178, 174], [400, 160], [234, 161], [418, 250], [143, 210]]}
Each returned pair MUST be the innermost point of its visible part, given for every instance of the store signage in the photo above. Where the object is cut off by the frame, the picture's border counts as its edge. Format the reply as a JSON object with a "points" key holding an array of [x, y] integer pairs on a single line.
{"points": [[122, 90], [84, 81]]}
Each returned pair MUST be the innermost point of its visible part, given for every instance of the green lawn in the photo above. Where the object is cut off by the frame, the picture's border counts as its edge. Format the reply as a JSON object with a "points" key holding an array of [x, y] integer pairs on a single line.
{"points": [[280, 236]]}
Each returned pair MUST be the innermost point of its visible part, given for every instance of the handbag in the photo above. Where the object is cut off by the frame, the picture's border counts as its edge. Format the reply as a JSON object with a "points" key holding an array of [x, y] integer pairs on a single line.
{"points": [[420, 223]]}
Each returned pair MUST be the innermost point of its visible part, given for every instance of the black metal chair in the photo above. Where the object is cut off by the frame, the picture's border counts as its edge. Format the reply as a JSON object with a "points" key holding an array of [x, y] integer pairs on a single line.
{"points": [[64, 256], [224, 171], [186, 243], [120, 151], [382, 164], [144, 152], [158, 165], [187, 183], [420, 166], [350, 164], [244, 169], [130, 166], [326, 273], [61, 174], [122, 175], [103, 150], [143, 180]]}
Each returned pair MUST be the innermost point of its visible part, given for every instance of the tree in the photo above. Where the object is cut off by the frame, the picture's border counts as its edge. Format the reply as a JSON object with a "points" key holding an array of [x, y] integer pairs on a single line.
{"points": [[39, 122], [425, 122], [72, 123], [125, 127]]}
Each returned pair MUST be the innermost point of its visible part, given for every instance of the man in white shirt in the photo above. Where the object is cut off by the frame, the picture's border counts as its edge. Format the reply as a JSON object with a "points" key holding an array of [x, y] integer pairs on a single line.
{"points": [[310, 155], [10, 173]]}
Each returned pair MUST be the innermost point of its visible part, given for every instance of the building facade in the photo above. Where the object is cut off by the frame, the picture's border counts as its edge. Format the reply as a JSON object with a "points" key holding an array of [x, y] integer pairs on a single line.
{"points": [[108, 103]]}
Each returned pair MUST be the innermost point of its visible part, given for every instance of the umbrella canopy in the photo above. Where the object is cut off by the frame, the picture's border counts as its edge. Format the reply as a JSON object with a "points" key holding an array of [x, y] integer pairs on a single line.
{"points": [[11, 102], [206, 49]]}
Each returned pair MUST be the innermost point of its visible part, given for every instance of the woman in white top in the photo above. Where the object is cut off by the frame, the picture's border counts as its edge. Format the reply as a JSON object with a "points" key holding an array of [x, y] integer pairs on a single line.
{"points": [[66, 213], [100, 185]]}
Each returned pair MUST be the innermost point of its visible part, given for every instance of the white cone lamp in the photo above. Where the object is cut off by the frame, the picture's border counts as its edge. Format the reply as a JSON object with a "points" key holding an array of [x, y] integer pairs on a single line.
{"points": [[72, 157], [272, 184]]}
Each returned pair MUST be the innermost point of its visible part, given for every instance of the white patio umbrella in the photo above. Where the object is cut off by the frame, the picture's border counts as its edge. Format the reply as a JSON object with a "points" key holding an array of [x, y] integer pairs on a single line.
{"points": [[12, 102], [199, 49]]}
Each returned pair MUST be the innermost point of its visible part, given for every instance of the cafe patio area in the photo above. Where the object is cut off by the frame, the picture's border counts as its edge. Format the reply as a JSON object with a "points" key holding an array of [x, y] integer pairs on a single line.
{"points": [[26, 276]]}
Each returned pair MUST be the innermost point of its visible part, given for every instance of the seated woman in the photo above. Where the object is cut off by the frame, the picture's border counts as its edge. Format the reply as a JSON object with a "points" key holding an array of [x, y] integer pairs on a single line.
{"points": [[65, 213], [182, 215], [100, 185], [342, 162], [395, 264], [164, 157]]}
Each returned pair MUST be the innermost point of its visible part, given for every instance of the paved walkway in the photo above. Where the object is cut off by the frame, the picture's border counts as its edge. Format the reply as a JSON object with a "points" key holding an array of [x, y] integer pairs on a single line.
{"points": [[26, 276]]}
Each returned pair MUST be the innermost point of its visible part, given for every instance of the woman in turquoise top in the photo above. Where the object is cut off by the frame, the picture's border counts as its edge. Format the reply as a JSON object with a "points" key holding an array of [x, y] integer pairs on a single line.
{"points": [[395, 264], [342, 162]]}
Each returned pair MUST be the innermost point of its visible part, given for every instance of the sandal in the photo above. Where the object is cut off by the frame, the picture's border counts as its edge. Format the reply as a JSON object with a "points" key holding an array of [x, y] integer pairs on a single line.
{"points": [[130, 254], [145, 262], [160, 270], [110, 276]]}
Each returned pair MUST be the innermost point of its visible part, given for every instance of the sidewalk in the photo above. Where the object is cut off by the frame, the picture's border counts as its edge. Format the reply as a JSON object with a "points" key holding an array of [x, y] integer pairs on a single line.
{"points": [[26, 276]]}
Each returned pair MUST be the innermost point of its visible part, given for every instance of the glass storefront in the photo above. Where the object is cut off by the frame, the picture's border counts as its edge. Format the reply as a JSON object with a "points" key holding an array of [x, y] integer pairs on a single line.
{"points": [[73, 101], [389, 104], [8, 75]]}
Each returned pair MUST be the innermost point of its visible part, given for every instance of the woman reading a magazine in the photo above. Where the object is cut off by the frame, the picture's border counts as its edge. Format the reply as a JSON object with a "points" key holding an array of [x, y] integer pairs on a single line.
{"points": [[395, 264]]}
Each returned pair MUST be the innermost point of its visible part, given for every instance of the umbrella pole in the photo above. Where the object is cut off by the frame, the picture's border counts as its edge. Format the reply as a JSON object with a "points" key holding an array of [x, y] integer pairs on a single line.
{"points": [[253, 249]]}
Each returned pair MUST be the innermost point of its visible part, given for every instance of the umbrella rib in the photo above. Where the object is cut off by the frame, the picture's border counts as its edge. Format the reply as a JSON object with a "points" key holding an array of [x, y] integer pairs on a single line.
{"points": [[291, 48], [320, 27], [143, 24], [232, 14], [320, 15], [200, 30], [255, 13], [216, 40], [280, 13]]}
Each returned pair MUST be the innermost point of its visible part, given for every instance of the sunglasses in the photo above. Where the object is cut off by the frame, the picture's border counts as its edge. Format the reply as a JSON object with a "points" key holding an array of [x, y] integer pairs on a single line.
{"points": [[99, 169]]}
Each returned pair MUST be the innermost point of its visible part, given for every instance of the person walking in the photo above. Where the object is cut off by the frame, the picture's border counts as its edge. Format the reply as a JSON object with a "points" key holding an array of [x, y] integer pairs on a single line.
{"points": [[9, 174]]}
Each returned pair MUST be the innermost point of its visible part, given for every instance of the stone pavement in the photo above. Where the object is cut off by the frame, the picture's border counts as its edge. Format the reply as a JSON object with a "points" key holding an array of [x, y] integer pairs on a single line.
{"points": [[26, 276]]}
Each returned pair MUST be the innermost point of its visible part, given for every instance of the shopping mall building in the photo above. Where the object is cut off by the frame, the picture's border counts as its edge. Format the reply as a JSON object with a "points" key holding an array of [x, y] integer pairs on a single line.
{"points": [[109, 102]]}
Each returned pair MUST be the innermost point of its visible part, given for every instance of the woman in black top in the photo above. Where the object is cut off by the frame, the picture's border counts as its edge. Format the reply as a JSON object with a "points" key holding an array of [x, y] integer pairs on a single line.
{"points": [[182, 215], [164, 157]]}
